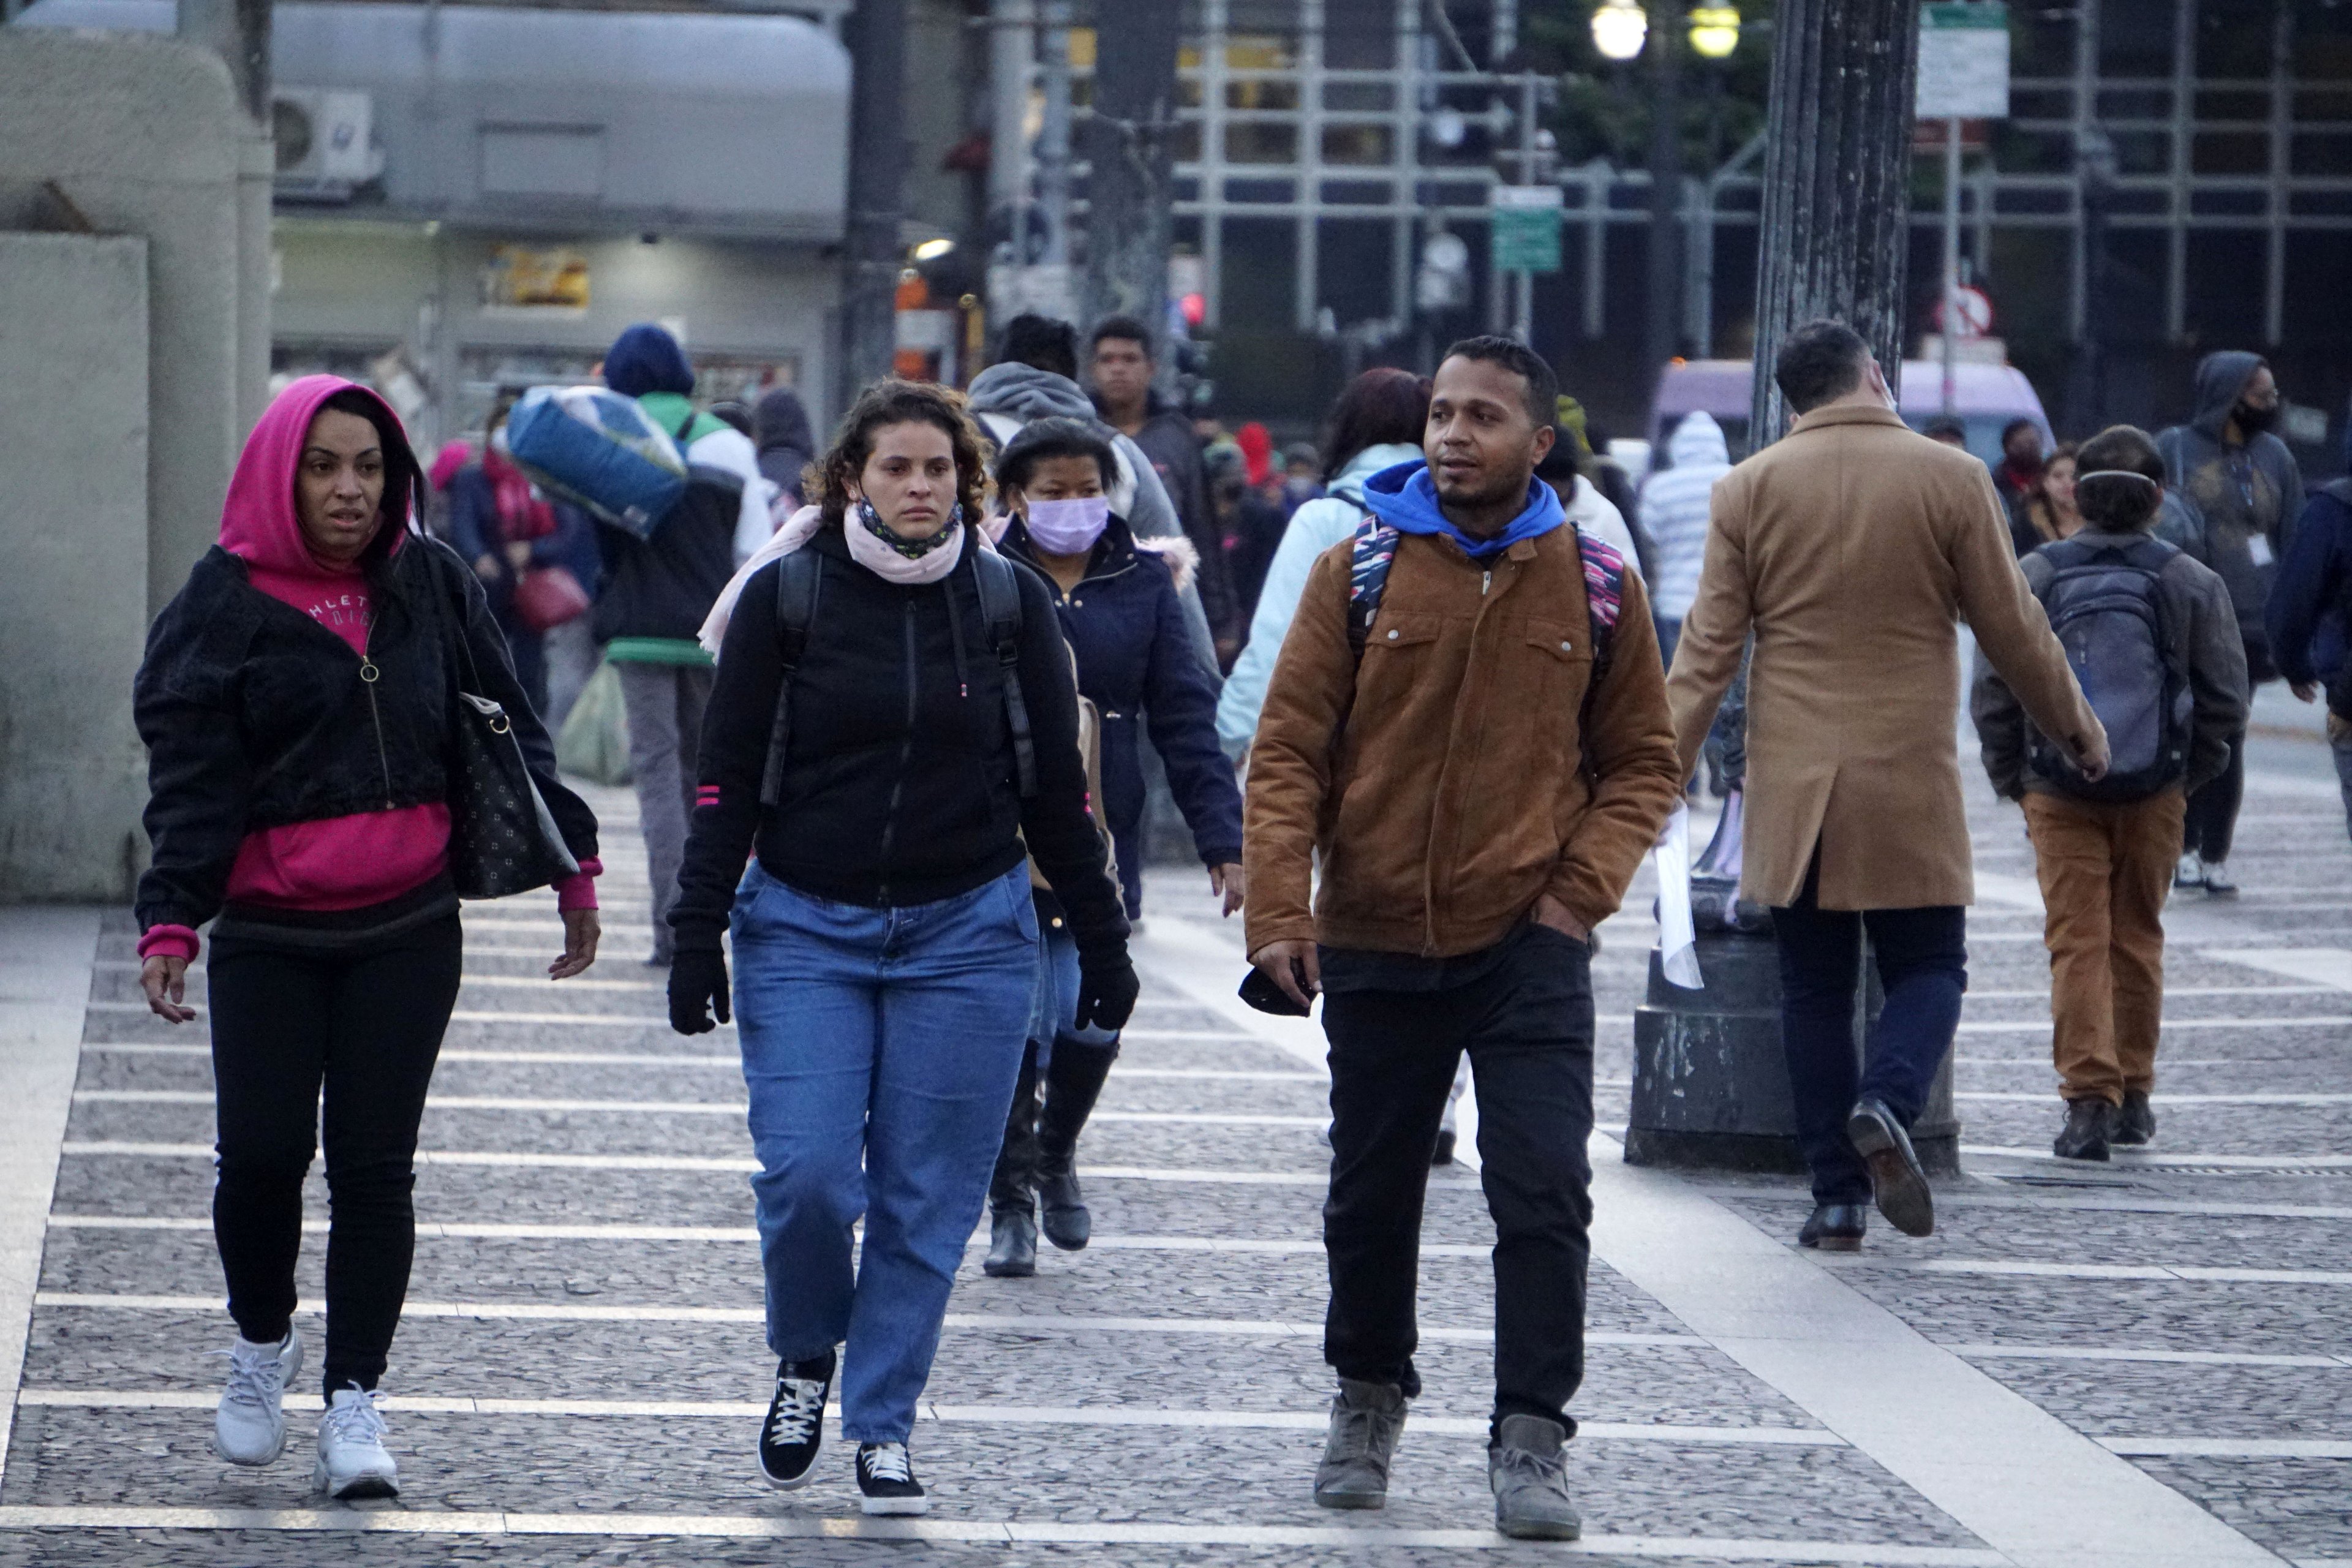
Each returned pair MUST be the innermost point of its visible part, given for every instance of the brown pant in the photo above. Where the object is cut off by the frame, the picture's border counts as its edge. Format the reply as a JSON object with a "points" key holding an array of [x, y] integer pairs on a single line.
{"points": [[2105, 869]]}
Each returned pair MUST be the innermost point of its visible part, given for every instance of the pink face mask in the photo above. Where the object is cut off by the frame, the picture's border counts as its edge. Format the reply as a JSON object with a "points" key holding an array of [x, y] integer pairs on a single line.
{"points": [[1068, 527]]}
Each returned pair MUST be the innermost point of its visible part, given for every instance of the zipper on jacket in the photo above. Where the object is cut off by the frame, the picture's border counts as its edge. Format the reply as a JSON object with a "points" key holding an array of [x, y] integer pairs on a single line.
{"points": [[369, 675], [1485, 582], [906, 755]]}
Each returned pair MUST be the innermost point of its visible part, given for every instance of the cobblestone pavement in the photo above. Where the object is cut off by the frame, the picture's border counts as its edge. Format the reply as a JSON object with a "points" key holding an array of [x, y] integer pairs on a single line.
{"points": [[580, 1372]]}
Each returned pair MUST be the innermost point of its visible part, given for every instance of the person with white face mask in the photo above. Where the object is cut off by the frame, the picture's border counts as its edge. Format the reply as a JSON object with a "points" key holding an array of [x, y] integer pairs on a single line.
{"points": [[1117, 597]]}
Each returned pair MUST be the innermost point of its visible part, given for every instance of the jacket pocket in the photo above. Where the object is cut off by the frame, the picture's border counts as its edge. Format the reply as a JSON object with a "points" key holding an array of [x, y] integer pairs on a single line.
{"points": [[1555, 659]]}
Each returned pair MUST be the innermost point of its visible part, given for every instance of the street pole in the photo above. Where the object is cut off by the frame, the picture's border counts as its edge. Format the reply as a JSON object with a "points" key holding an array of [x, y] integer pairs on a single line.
{"points": [[1835, 223], [1523, 282], [1663, 341], [1951, 332], [1054, 135], [876, 33], [1130, 226]]}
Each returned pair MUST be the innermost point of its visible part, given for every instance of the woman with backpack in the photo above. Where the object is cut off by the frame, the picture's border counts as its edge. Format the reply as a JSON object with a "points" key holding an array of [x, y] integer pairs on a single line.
{"points": [[2154, 644], [1116, 597], [893, 719], [1376, 424], [300, 701]]}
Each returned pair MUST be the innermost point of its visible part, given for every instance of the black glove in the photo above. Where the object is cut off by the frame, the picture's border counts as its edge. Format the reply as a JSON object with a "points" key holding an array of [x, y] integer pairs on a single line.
{"points": [[1107, 993], [698, 985]]}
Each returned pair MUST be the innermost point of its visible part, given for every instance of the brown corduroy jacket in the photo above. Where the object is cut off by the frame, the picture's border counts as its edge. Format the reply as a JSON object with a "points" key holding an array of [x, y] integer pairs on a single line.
{"points": [[1447, 783]]}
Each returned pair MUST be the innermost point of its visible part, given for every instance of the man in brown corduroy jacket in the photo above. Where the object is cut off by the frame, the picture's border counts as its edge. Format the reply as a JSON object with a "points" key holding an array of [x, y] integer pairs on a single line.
{"points": [[1478, 792]]}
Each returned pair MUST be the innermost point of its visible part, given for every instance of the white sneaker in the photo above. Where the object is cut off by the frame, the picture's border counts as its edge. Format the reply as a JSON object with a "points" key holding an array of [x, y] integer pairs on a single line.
{"points": [[2190, 872], [249, 1429], [352, 1460]]}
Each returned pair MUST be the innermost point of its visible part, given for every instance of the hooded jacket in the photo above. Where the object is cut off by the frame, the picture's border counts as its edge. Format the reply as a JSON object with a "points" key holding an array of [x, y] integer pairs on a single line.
{"points": [[2249, 495], [1006, 397], [2201, 640], [2310, 612], [1675, 502], [1167, 442], [1467, 763], [298, 718], [786, 441], [1136, 664], [1405, 498], [1314, 528]]}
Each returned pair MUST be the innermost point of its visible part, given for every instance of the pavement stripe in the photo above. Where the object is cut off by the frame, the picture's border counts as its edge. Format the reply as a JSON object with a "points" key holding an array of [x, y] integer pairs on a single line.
{"points": [[770, 1526], [2124, 1159], [2168, 1098], [2329, 966], [2331, 1022], [114, 1147], [2181, 1358], [733, 1062], [957, 1415], [2228, 1448], [678, 1108], [2031, 1268]]}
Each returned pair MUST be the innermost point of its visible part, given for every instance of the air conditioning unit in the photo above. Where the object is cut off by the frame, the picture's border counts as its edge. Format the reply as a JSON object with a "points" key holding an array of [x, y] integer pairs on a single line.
{"points": [[325, 141]]}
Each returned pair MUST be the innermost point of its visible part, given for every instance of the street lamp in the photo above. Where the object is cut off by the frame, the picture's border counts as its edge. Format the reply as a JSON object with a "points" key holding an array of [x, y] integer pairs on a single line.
{"points": [[1619, 27], [1713, 31]]}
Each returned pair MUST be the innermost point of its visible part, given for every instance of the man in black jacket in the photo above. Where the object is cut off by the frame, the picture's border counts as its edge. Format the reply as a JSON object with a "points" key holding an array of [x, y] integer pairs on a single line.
{"points": [[1122, 369]]}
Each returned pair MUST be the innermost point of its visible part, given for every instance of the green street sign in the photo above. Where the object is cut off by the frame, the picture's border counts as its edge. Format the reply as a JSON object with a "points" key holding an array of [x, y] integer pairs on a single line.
{"points": [[1526, 228]]}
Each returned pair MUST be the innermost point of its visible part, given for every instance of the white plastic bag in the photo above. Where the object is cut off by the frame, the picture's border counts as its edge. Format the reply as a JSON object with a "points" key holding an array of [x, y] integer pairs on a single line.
{"points": [[1677, 937]]}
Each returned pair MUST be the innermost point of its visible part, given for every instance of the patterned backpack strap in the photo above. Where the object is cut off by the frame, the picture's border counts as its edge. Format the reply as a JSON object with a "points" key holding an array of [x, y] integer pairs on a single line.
{"points": [[1368, 578], [1604, 596]]}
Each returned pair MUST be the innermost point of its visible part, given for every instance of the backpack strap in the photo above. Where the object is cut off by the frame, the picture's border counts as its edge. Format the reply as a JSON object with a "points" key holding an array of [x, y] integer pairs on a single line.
{"points": [[1000, 610], [1604, 599], [799, 576], [1375, 551]]}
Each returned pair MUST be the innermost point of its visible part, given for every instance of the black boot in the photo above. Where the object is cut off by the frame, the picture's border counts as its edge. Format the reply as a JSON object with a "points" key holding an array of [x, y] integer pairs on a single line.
{"points": [[2135, 1122], [1835, 1228], [1073, 1079], [2089, 1124], [1011, 1245], [1015, 1185]]}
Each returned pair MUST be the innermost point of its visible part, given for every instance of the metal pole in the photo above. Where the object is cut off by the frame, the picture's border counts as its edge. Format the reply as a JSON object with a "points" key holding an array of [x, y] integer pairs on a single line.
{"points": [[1952, 334], [1523, 286], [1664, 340], [1834, 230], [1009, 45], [1053, 135], [876, 35], [1130, 224]]}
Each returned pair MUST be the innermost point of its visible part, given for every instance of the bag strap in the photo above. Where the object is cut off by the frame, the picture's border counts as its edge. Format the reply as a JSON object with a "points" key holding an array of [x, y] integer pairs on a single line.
{"points": [[448, 620], [1371, 556], [1000, 610], [799, 576], [1374, 555]]}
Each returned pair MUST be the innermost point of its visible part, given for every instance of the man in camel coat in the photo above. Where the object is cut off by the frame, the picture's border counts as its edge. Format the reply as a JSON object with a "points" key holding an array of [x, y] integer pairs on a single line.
{"points": [[1848, 550]]}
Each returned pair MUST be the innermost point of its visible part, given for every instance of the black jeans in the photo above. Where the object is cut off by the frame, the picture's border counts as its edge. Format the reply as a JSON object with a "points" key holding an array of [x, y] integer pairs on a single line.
{"points": [[365, 1026], [1527, 1023], [1923, 966], [2212, 821]]}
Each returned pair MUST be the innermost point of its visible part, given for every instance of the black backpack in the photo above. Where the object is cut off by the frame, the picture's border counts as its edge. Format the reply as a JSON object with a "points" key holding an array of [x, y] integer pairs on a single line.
{"points": [[799, 578], [2106, 606]]}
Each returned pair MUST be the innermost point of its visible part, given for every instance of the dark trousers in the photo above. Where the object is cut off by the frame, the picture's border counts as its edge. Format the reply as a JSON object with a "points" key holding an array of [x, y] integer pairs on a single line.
{"points": [[1526, 1024], [1923, 966], [364, 1029], [2212, 821]]}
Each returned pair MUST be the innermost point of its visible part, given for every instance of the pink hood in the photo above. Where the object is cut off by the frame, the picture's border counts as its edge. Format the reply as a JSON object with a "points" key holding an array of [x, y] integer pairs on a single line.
{"points": [[257, 521]]}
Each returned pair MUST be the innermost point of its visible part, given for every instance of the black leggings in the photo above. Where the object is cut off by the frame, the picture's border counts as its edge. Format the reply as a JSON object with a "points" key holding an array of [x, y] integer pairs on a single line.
{"points": [[366, 1026], [2212, 821]]}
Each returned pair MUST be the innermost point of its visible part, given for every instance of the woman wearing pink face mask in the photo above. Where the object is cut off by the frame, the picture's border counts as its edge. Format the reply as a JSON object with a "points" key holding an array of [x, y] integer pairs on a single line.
{"points": [[1116, 596]]}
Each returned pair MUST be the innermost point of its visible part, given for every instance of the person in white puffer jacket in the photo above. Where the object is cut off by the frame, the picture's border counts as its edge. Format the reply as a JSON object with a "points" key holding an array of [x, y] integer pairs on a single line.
{"points": [[1376, 424], [1674, 513]]}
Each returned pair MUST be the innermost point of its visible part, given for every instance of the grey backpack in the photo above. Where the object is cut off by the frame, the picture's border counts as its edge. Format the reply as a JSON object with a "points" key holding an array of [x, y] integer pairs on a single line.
{"points": [[2106, 606]]}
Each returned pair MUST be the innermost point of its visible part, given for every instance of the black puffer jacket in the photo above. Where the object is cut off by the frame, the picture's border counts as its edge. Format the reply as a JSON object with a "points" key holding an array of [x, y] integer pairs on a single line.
{"points": [[255, 715], [898, 783]]}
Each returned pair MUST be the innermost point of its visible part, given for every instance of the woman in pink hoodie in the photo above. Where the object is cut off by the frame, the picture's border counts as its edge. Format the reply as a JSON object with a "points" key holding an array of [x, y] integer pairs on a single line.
{"points": [[297, 700]]}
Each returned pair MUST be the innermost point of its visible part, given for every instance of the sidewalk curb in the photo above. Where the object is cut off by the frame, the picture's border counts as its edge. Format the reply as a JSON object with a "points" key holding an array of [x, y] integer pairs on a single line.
{"points": [[46, 956]]}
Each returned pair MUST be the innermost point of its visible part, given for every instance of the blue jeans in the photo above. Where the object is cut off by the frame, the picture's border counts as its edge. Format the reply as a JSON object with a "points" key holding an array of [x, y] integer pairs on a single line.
{"points": [[880, 1047], [1054, 1010], [1923, 967]]}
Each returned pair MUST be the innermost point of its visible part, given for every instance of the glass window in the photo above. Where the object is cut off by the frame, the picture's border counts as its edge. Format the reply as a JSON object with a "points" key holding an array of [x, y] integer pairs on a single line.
{"points": [[1361, 144]]}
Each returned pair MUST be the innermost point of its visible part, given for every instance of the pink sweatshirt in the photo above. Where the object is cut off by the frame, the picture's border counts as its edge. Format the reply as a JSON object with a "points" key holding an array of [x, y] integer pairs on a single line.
{"points": [[341, 862]]}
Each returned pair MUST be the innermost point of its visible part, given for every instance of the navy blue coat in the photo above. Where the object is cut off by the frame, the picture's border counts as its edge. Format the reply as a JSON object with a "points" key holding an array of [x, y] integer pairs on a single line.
{"points": [[1137, 665]]}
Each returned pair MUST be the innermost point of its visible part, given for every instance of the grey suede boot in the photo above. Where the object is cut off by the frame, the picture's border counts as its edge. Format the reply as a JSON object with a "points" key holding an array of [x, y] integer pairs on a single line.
{"points": [[1365, 1420], [1529, 1475]]}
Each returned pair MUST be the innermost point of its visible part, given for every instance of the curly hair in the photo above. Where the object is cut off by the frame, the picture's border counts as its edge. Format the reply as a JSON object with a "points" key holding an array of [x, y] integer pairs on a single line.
{"points": [[895, 402]]}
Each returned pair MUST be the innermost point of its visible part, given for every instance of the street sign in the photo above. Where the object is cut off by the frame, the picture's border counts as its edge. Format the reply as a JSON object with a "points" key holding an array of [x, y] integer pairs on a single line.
{"points": [[1975, 310], [1963, 61], [1526, 227]]}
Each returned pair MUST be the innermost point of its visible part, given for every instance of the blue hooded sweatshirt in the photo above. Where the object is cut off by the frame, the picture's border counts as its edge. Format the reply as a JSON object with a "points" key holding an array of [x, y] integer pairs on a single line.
{"points": [[646, 358], [2310, 612], [1405, 498]]}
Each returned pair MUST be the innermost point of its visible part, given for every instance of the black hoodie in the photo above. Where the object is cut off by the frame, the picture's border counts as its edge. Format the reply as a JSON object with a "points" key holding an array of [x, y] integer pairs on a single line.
{"points": [[2250, 494]]}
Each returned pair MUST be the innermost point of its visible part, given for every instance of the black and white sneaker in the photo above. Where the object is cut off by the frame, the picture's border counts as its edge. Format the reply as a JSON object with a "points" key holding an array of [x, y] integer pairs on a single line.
{"points": [[887, 1478], [794, 1429]]}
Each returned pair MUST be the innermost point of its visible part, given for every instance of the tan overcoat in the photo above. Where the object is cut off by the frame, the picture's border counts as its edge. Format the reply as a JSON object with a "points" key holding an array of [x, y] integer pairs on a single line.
{"points": [[1851, 548]]}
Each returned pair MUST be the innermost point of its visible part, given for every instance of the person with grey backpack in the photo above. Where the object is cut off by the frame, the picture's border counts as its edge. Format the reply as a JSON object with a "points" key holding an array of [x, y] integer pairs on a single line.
{"points": [[2154, 642]]}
